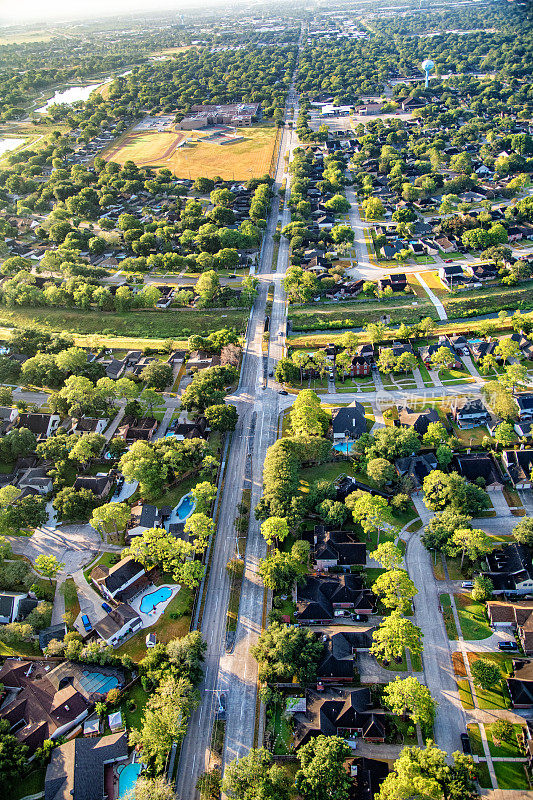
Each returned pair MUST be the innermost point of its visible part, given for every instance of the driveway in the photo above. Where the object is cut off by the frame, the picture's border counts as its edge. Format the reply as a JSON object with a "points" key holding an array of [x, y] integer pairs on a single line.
{"points": [[74, 545]]}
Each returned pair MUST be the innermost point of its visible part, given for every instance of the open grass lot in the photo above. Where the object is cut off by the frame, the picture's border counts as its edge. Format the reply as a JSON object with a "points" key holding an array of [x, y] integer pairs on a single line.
{"points": [[472, 618], [72, 605], [465, 694], [512, 749], [249, 158], [165, 628], [483, 775], [489, 299], [504, 661], [497, 697], [474, 734], [132, 717], [449, 621], [29, 785], [178, 323], [511, 775]]}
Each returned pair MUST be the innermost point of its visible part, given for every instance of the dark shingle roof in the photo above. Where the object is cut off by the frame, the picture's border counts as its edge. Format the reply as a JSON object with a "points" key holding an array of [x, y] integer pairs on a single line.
{"points": [[76, 769]]}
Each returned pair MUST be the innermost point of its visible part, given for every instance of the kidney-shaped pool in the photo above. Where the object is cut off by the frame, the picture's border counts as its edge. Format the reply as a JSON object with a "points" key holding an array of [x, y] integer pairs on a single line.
{"points": [[151, 601]]}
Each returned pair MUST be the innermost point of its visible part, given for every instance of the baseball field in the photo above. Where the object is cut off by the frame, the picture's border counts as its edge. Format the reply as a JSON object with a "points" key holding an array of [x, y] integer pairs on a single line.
{"points": [[248, 157]]}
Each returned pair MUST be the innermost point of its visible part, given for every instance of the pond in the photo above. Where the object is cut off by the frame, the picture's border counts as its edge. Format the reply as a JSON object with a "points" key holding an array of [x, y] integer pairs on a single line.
{"points": [[70, 95], [9, 144]]}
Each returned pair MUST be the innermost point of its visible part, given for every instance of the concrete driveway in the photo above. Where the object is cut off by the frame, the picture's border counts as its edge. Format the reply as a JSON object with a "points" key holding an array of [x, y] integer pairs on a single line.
{"points": [[74, 545]]}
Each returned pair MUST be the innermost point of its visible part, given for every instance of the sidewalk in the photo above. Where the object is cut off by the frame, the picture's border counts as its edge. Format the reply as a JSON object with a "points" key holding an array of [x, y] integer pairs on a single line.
{"points": [[441, 311]]}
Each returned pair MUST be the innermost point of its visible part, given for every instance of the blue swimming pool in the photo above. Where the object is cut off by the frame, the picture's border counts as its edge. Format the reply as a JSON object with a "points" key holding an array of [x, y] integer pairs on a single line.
{"points": [[341, 447], [98, 682], [127, 778], [185, 507], [152, 600]]}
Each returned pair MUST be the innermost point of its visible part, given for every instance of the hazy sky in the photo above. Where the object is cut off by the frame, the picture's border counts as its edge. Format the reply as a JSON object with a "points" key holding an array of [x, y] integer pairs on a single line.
{"points": [[20, 11]]}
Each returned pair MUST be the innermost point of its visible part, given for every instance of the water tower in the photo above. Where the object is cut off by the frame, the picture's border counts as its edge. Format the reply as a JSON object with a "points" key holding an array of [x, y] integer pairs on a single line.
{"points": [[428, 66]]}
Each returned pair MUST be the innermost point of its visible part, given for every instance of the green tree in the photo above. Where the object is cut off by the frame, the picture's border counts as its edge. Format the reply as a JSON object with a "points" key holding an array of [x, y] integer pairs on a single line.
{"points": [[322, 775], [394, 635], [395, 589], [424, 773], [486, 673], [275, 529], [146, 788], [470, 542], [255, 776], [523, 531], [284, 652], [12, 757], [222, 417], [451, 490], [111, 518], [75, 504], [370, 512], [208, 286], [483, 588], [388, 555], [409, 696], [157, 375], [503, 731], [204, 493], [48, 566], [380, 471], [142, 463], [333, 512]]}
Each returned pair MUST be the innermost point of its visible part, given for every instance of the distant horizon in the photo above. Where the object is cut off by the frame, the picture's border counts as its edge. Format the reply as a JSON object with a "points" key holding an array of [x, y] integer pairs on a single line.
{"points": [[30, 12]]}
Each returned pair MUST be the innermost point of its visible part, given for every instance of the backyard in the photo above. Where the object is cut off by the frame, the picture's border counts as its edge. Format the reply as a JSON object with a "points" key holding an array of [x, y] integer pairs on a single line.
{"points": [[173, 624]]}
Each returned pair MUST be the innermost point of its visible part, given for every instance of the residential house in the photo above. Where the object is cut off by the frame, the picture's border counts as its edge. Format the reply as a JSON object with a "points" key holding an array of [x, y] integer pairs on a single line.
{"points": [[99, 485], [360, 367], [345, 713], [427, 353], [519, 465], [416, 468], [470, 413], [121, 581], [338, 662], [520, 684], [459, 344], [368, 775], [322, 600], [37, 480], [525, 406], [479, 468], [201, 359], [15, 606], [42, 425], [143, 516], [47, 702], [348, 422], [56, 632], [511, 571], [452, 275], [88, 425], [82, 769], [444, 245], [346, 484], [418, 420], [133, 429], [118, 625], [336, 549], [481, 349], [483, 272], [8, 417], [525, 344], [397, 282]]}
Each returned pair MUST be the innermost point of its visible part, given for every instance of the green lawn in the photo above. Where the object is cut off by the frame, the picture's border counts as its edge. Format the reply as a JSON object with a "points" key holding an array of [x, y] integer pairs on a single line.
{"points": [[511, 749], [483, 775], [416, 662], [173, 323], [371, 574], [472, 618], [20, 649], [511, 775], [465, 694], [72, 605], [449, 621], [31, 784], [105, 560], [497, 697], [132, 718], [474, 734], [394, 666], [171, 497], [282, 731]]}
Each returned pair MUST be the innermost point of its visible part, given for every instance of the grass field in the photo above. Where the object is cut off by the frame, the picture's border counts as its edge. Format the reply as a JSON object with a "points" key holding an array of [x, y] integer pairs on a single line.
{"points": [[511, 775], [249, 158], [176, 324], [472, 617]]}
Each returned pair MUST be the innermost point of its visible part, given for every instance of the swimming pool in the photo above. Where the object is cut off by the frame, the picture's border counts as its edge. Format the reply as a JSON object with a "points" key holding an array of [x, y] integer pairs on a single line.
{"points": [[127, 778], [341, 447], [98, 682], [185, 507], [152, 600]]}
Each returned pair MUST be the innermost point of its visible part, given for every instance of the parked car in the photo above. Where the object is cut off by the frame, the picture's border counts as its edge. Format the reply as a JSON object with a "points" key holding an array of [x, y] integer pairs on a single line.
{"points": [[86, 623], [465, 742], [467, 585], [221, 713], [507, 646], [107, 607], [282, 391]]}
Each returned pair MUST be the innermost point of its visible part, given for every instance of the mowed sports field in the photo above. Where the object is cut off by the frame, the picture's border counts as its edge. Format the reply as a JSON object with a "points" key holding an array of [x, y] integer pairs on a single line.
{"points": [[249, 158]]}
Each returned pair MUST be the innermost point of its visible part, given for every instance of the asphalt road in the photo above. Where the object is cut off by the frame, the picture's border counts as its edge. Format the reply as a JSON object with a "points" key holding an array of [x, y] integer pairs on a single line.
{"points": [[235, 673]]}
